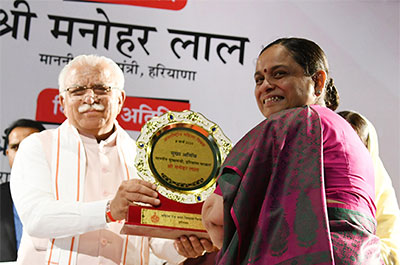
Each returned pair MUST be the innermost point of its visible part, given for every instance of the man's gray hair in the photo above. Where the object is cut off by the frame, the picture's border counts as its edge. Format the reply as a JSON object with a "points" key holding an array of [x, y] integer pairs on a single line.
{"points": [[86, 65]]}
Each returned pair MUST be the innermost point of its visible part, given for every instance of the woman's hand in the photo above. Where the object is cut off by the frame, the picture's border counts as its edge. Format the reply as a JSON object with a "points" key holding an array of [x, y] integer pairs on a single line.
{"points": [[213, 218]]}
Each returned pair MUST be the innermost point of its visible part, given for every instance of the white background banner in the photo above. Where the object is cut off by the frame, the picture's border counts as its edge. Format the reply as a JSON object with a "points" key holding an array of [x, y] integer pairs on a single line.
{"points": [[204, 52]]}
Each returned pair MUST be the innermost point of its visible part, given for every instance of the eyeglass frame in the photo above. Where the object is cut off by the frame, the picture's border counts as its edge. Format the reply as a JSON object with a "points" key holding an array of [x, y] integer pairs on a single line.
{"points": [[85, 88]]}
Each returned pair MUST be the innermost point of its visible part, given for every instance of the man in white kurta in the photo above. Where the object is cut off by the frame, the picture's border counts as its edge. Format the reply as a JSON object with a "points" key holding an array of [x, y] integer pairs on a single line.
{"points": [[72, 186]]}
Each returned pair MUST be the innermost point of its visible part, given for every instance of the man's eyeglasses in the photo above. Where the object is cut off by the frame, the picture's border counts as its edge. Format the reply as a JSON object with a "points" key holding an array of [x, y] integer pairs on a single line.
{"points": [[98, 90]]}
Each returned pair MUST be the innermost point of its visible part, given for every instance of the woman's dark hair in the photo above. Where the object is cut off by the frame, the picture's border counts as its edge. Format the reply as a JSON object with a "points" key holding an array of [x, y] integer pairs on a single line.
{"points": [[312, 59], [358, 123]]}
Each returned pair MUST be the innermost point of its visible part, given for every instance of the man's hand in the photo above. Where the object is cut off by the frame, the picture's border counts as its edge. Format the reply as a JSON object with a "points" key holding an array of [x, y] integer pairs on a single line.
{"points": [[192, 246], [130, 191]]}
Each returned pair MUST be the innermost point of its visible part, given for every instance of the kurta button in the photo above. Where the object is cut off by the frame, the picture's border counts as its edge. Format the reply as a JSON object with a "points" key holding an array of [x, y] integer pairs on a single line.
{"points": [[103, 241]]}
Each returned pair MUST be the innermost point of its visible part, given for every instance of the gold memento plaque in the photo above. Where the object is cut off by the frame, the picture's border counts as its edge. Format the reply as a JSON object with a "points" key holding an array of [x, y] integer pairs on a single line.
{"points": [[181, 152]]}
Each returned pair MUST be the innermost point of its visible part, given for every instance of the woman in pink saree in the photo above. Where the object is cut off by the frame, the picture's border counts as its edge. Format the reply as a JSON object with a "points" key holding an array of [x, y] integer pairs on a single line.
{"points": [[299, 187]]}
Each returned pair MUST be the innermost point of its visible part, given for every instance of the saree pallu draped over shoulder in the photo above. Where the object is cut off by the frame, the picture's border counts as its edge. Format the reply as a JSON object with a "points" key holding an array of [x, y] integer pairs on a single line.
{"points": [[275, 209]]}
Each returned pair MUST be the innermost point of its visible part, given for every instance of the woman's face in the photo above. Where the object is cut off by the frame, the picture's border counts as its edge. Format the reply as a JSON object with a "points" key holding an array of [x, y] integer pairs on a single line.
{"points": [[280, 82]]}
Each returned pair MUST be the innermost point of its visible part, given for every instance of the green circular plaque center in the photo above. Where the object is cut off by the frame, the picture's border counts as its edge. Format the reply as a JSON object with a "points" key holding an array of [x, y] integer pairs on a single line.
{"points": [[183, 159]]}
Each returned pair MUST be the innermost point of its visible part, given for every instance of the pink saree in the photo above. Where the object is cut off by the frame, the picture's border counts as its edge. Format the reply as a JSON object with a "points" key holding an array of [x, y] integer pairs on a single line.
{"points": [[274, 200]]}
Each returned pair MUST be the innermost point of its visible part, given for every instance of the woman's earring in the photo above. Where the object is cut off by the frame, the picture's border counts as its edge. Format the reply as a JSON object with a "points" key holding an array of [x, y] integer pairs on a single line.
{"points": [[318, 92]]}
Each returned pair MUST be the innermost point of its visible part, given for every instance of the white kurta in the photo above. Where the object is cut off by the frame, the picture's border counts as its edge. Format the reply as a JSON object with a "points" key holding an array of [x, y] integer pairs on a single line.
{"points": [[50, 209]]}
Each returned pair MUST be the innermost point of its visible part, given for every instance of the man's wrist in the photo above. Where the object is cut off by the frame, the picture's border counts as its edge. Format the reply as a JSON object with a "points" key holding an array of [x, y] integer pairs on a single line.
{"points": [[109, 217]]}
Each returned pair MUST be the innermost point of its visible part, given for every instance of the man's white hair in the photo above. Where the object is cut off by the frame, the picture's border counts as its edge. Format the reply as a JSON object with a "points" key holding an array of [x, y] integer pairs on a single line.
{"points": [[86, 66]]}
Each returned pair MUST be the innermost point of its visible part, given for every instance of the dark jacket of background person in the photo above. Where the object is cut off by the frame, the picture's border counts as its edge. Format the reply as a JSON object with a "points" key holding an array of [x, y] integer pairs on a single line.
{"points": [[8, 249]]}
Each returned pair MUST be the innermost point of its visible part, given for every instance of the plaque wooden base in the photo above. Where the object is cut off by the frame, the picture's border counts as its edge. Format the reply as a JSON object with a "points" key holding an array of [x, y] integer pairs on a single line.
{"points": [[169, 220]]}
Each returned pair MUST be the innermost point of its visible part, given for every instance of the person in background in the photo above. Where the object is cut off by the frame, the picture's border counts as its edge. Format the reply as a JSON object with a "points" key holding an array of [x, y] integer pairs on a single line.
{"points": [[299, 187], [387, 208], [11, 226], [72, 185]]}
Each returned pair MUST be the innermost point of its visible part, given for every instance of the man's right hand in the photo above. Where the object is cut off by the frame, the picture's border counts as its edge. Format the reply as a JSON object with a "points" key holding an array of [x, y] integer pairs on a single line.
{"points": [[129, 192]]}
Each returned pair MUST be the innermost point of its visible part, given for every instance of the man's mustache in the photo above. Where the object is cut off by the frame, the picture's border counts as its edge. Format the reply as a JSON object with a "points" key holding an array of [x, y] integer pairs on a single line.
{"points": [[85, 107]]}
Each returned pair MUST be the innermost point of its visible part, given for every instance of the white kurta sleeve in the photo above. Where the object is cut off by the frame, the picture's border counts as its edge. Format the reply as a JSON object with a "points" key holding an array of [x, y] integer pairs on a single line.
{"points": [[41, 214], [164, 249]]}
